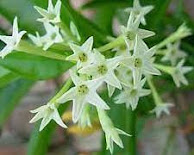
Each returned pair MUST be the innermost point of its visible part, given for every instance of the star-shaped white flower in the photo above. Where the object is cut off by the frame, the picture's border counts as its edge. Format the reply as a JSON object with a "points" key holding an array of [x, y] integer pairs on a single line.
{"points": [[83, 93], [173, 53], [13, 41], [131, 94], [52, 14], [129, 33], [37, 40], [47, 113], [178, 73], [141, 62], [162, 108], [82, 54], [111, 133], [52, 36], [103, 68], [137, 9]]}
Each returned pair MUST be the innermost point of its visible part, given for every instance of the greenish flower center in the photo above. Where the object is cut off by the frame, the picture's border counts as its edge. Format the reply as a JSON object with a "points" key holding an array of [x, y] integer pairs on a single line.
{"points": [[130, 35], [133, 92], [82, 89], [51, 16], [138, 62], [173, 52], [53, 36], [83, 57], [128, 72], [136, 12], [102, 69]]}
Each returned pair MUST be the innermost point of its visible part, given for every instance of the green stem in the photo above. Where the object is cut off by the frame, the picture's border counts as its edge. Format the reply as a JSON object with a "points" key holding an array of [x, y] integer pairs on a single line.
{"points": [[115, 43], [31, 49], [64, 89], [131, 129], [155, 94]]}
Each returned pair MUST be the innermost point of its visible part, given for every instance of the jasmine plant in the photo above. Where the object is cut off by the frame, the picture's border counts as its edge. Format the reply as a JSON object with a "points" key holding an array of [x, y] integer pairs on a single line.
{"points": [[125, 66]]}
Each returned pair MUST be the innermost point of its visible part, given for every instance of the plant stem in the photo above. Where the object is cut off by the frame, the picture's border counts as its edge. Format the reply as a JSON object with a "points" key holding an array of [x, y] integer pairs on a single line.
{"points": [[131, 129], [115, 43], [28, 48], [64, 89]]}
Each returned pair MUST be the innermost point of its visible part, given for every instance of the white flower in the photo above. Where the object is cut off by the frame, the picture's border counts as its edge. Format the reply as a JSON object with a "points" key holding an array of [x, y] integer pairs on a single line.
{"points": [[52, 14], [82, 54], [124, 74], [37, 40], [137, 9], [173, 53], [141, 61], [130, 95], [162, 107], [52, 36], [111, 133], [178, 73], [47, 113], [132, 29], [11, 41], [103, 68], [83, 93]]}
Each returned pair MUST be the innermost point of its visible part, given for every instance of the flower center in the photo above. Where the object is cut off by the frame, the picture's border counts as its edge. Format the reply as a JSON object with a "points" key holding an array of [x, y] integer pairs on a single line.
{"points": [[53, 36], [51, 16], [130, 35], [82, 89], [102, 69], [133, 92], [138, 62], [173, 52], [136, 12], [83, 57]]}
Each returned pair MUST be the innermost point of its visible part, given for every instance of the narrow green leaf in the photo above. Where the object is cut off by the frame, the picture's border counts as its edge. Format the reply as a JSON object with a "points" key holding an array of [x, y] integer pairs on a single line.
{"points": [[34, 67], [10, 97]]}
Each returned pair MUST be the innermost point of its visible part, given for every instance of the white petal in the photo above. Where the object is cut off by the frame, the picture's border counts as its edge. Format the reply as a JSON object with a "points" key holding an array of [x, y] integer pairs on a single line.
{"points": [[78, 105], [112, 80], [94, 99], [145, 33], [87, 46], [111, 90], [36, 117], [15, 27], [44, 122], [57, 119], [69, 95]]}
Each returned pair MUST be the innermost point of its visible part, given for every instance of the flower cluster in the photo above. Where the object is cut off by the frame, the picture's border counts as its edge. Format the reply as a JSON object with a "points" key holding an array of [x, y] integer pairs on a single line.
{"points": [[128, 70]]}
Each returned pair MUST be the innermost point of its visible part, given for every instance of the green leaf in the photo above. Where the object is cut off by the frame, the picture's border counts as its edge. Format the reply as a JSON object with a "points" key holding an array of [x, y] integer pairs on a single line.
{"points": [[10, 97], [6, 77], [24, 10], [34, 67]]}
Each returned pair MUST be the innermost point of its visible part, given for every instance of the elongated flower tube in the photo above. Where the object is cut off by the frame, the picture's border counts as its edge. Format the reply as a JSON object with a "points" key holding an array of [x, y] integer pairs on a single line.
{"points": [[12, 41], [111, 133]]}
